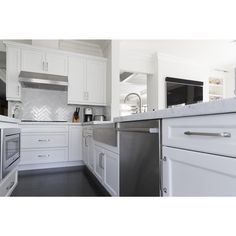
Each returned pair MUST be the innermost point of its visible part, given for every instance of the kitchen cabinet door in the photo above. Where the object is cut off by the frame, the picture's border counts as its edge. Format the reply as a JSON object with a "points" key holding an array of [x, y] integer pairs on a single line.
{"points": [[189, 173], [99, 162], [13, 87], [56, 64], [85, 151], [90, 152], [96, 81], [75, 143], [112, 172], [76, 80], [33, 60]]}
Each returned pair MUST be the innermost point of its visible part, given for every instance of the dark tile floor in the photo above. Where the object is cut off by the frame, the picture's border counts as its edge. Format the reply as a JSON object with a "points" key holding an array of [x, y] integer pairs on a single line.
{"points": [[63, 183]]}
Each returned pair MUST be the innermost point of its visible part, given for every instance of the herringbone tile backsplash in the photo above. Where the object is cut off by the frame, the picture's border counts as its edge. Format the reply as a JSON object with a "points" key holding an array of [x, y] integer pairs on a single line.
{"points": [[50, 105]]}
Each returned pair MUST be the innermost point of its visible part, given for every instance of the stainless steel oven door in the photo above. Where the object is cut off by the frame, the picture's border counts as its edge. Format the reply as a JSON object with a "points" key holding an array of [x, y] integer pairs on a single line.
{"points": [[10, 149]]}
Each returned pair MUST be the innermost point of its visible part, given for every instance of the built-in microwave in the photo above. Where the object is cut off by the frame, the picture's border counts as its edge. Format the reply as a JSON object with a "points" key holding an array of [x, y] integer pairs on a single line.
{"points": [[183, 92], [10, 150]]}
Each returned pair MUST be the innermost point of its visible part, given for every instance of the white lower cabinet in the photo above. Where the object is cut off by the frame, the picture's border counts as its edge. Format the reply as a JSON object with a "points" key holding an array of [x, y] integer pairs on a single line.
{"points": [[8, 184], [75, 143], [88, 148], [50, 145], [41, 156], [85, 151], [90, 152], [44, 140], [107, 169], [190, 173], [111, 178], [99, 156]]}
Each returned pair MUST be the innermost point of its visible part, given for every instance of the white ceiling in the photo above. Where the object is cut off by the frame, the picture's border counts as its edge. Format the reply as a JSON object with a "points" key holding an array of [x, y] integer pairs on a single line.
{"points": [[136, 84], [213, 53]]}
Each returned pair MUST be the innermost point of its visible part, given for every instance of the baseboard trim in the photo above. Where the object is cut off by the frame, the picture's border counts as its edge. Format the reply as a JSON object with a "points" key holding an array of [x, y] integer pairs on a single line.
{"points": [[49, 165], [50, 170]]}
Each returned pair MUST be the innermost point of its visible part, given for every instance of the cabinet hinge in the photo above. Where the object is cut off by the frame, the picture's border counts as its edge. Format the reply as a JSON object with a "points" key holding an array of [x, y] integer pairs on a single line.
{"points": [[164, 158], [165, 190]]}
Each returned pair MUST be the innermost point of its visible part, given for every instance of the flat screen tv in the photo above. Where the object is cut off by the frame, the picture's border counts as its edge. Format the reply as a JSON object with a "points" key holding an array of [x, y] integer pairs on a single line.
{"points": [[3, 101], [183, 92]]}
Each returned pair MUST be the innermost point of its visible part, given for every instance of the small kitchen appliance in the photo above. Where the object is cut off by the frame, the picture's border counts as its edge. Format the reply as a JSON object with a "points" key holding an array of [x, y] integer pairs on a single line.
{"points": [[88, 114], [10, 150], [99, 118]]}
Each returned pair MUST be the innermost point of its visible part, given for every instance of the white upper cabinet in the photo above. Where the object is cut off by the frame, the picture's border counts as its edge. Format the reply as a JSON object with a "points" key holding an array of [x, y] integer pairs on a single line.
{"points": [[87, 81], [33, 60], [56, 64], [13, 88], [76, 80], [86, 74], [40, 61], [96, 81]]}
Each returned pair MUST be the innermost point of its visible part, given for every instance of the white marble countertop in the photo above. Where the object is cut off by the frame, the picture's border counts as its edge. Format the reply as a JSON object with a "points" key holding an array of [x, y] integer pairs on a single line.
{"points": [[7, 119], [65, 123], [97, 122], [49, 123], [207, 108]]}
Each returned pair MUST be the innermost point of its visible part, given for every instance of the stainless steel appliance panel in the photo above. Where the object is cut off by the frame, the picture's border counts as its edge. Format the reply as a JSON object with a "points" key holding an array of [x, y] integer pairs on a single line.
{"points": [[105, 133], [10, 150], [139, 158]]}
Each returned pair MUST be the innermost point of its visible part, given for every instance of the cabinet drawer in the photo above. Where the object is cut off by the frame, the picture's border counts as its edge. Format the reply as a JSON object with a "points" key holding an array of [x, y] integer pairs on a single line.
{"points": [[41, 140], [214, 134], [40, 156], [8, 184]]}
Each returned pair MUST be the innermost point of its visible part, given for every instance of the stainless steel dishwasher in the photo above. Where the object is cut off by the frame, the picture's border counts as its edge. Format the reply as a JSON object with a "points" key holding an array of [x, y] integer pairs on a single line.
{"points": [[139, 158]]}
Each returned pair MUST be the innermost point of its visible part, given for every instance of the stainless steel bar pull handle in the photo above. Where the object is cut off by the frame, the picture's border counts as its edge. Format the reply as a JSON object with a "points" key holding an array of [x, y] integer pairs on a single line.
{"points": [[139, 130], [44, 140], [222, 134], [44, 155]]}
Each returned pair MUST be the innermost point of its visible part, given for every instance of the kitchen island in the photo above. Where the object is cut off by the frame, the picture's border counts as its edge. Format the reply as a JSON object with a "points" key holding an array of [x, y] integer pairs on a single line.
{"points": [[198, 148], [199, 109]]}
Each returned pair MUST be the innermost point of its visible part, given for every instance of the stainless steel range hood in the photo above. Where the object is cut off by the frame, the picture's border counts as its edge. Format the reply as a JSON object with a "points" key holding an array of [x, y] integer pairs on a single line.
{"points": [[43, 81]]}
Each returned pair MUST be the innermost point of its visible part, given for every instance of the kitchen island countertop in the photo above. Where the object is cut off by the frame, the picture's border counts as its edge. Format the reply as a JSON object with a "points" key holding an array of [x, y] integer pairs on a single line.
{"points": [[206, 108]]}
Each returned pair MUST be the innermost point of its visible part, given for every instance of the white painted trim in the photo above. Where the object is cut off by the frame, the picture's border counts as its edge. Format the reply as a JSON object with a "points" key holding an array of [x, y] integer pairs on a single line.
{"points": [[68, 53], [176, 59], [139, 62], [50, 165], [75, 45]]}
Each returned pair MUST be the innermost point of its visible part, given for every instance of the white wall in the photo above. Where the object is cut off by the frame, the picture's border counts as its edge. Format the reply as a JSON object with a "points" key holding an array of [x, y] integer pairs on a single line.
{"points": [[229, 82], [107, 54], [136, 61], [112, 53], [170, 66], [115, 81], [152, 87]]}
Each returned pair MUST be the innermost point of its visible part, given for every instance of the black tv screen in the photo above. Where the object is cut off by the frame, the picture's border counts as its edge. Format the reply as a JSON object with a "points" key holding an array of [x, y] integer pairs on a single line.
{"points": [[181, 91], [3, 101]]}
